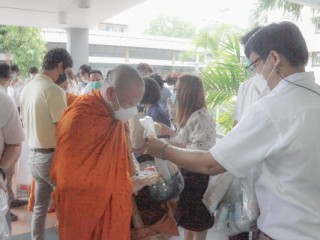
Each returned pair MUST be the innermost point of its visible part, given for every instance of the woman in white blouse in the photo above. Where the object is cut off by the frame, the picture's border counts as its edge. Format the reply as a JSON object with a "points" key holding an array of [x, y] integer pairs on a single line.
{"points": [[195, 130]]}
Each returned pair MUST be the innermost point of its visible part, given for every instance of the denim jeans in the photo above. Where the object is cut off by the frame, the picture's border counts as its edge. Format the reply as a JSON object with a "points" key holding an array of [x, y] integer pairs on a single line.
{"points": [[40, 164]]}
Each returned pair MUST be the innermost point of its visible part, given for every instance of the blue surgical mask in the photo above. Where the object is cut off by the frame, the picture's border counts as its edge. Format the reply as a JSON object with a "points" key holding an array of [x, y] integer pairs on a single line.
{"points": [[96, 84]]}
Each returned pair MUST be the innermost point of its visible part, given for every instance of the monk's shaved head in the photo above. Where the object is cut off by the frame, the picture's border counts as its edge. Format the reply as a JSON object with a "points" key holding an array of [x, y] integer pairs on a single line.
{"points": [[123, 87], [124, 77]]}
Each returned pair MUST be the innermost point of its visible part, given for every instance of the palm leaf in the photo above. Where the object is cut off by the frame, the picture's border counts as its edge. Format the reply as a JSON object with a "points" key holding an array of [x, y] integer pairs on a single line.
{"points": [[263, 7]]}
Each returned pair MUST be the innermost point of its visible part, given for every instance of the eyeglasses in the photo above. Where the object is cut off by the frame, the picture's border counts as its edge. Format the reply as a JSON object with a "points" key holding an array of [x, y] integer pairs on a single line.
{"points": [[252, 66]]}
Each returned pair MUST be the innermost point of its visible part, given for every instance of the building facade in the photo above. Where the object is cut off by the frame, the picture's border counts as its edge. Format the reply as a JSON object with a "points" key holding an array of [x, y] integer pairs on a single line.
{"points": [[109, 49]]}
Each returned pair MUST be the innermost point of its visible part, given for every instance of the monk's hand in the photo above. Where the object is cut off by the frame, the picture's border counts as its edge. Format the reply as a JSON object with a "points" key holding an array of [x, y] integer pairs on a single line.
{"points": [[155, 147]]}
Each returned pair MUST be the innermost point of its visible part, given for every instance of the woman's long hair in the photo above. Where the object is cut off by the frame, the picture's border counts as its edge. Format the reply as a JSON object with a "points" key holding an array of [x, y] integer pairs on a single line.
{"points": [[190, 97]]}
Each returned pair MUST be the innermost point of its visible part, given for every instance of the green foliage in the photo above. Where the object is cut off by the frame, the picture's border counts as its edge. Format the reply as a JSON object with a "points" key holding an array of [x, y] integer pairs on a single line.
{"points": [[222, 78], [219, 51], [25, 44], [259, 14], [171, 26]]}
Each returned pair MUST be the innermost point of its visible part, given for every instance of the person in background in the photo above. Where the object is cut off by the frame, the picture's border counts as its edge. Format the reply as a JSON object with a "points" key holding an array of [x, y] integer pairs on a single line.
{"points": [[144, 69], [249, 92], [32, 74], [84, 73], [161, 222], [73, 84], [83, 77], [96, 78], [64, 84], [42, 104], [14, 90], [165, 92], [11, 137], [170, 82], [15, 86], [151, 103], [195, 130], [92, 167], [284, 146]]}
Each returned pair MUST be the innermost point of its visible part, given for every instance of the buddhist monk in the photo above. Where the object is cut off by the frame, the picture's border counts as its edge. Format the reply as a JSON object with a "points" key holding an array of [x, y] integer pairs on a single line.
{"points": [[93, 194]]}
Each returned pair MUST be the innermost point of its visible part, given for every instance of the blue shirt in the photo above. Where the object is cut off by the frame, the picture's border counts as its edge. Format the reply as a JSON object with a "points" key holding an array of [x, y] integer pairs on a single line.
{"points": [[158, 114]]}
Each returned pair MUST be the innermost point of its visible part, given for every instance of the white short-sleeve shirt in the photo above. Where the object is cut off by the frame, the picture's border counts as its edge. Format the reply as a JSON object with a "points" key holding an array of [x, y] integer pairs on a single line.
{"points": [[249, 92], [42, 105], [280, 134], [14, 91], [10, 123]]}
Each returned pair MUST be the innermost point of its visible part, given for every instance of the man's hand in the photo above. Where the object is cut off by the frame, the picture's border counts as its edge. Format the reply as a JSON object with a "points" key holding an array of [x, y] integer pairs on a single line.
{"points": [[155, 147]]}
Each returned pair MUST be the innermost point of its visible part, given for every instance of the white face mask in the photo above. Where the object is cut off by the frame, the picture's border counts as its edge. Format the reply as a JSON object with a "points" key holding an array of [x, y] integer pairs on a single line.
{"points": [[123, 114], [259, 83], [260, 75]]}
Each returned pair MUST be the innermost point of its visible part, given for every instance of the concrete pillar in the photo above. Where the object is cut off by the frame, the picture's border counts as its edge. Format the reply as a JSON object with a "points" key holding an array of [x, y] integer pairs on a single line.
{"points": [[78, 47]]}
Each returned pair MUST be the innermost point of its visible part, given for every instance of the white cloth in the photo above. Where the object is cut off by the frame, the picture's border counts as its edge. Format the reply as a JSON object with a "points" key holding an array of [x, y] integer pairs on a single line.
{"points": [[249, 92], [199, 131], [10, 124], [88, 88], [281, 135], [28, 80]]}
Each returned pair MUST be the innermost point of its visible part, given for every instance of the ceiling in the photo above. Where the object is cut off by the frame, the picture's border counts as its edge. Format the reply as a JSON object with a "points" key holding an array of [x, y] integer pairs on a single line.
{"points": [[51, 13]]}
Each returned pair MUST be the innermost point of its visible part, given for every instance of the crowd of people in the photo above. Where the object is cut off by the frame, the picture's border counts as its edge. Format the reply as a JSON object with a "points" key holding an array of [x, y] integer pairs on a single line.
{"points": [[88, 167]]}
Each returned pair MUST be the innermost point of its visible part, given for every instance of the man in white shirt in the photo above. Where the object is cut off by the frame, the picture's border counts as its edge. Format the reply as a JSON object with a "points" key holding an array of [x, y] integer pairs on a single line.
{"points": [[42, 104], [249, 92], [32, 74], [11, 134], [14, 91], [15, 86], [279, 135]]}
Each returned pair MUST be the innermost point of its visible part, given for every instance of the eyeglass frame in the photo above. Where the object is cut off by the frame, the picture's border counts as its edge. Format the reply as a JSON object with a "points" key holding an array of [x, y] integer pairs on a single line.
{"points": [[249, 67]]}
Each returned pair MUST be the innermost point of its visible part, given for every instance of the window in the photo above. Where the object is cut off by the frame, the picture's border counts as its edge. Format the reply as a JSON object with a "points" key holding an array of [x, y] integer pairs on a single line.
{"points": [[150, 53], [106, 51], [316, 59]]}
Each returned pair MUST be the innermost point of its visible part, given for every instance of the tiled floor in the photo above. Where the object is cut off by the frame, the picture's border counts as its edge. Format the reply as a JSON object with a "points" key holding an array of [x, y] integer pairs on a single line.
{"points": [[23, 225]]}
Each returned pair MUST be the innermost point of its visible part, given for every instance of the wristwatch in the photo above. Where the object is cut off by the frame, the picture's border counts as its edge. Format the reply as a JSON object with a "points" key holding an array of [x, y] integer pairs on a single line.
{"points": [[4, 173]]}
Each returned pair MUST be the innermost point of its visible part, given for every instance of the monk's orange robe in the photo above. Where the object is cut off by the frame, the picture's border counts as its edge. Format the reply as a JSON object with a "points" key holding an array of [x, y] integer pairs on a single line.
{"points": [[93, 195], [71, 98]]}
